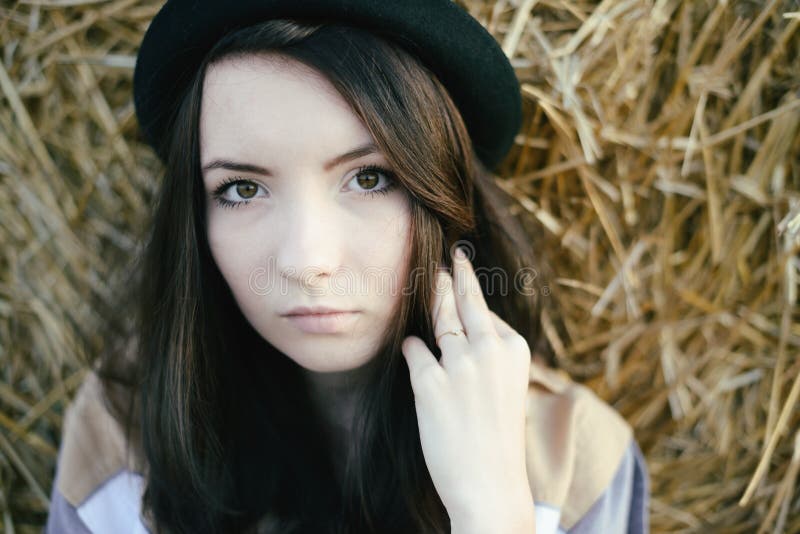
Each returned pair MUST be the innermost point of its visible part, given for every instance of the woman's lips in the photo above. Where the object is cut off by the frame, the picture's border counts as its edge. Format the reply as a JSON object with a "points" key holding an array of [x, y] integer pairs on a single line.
{"points": [[323, 323]]}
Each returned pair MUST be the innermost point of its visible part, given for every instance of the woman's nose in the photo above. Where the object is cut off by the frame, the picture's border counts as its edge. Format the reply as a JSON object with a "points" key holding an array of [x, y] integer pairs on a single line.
{"points": [[310, 247]]}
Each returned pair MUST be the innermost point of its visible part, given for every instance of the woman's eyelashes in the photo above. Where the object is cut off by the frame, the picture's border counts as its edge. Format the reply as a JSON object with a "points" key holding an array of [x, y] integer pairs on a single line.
{"points": [[371, 179], [373, 174], [244, 189]]}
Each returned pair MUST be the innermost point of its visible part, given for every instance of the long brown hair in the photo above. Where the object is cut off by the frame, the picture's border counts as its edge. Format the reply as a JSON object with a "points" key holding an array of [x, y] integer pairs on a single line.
{"points": [[227, 430]]}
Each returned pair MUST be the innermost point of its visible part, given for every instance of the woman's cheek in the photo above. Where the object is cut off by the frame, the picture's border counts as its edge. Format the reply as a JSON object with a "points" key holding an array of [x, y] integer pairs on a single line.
{"points": [[235, 255]]}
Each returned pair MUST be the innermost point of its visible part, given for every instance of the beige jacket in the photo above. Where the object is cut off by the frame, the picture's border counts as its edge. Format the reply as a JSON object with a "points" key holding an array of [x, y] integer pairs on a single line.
{"points": [[575, 443]]}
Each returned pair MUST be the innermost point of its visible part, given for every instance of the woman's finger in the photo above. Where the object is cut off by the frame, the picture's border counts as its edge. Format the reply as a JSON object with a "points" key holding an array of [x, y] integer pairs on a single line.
{"points": [[471, 306], [502, 327], [445, 318], [436, 300], [423, 367]]}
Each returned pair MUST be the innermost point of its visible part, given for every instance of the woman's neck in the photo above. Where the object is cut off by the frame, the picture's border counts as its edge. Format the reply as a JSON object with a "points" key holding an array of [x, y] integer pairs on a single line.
{"points": [[333, 396]]}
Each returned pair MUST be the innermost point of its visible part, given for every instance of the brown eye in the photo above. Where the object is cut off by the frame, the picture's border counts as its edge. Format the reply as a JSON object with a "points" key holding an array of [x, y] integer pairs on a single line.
{"points": [[368, 179], [246, 189]]}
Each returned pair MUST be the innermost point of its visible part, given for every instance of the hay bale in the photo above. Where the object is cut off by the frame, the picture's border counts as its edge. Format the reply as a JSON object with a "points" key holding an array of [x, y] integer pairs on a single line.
{"points": [[658, 158]]}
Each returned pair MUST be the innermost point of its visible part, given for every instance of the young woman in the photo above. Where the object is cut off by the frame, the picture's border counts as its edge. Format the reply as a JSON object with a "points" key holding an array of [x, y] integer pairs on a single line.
{"points": [[311, 352]]}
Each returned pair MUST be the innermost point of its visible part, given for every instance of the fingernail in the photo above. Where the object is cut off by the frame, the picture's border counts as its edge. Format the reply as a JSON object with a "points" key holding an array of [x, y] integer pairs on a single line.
{"points": [[460, 253]]}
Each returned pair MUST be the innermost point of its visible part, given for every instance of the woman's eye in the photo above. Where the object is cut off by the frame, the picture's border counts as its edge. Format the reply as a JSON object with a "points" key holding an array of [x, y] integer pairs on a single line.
{"points": [[374, 180], [371, 180], [235, 192]]}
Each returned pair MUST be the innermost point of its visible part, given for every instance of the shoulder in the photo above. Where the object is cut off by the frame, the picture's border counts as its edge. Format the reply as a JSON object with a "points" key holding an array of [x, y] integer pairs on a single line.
{"points": [[575, 444], [624, 505], [99, 477], [112, 507]]}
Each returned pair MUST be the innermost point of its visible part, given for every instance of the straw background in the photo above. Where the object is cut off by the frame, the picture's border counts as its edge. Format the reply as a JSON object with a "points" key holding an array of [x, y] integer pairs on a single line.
{"points": [[658, 162]]}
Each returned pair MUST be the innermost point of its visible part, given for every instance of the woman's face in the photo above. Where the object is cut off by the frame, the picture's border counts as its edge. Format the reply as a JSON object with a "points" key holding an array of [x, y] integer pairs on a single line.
{"points": [[291, 220]]}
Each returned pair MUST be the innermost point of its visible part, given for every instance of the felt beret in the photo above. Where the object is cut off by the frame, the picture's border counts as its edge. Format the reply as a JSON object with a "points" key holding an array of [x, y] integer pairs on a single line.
{"points": [[451, 43]]}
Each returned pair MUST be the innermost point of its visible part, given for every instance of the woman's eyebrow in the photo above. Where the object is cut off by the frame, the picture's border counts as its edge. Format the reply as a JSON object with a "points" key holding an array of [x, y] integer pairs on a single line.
{"points": [[355, 153]]}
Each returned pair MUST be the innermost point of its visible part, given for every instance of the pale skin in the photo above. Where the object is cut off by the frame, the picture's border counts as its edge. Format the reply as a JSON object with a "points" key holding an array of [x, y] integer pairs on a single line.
{"points": [[311, 212], [471, 408]]}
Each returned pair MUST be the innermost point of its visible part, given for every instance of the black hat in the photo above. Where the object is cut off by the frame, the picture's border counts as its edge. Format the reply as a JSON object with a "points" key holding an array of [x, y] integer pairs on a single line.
{"points": [[452, 44]]}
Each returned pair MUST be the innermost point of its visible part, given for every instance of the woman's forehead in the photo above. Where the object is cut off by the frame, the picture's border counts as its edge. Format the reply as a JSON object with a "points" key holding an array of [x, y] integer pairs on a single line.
{"points": [[263, 63], [269, 103], [264, 78]]}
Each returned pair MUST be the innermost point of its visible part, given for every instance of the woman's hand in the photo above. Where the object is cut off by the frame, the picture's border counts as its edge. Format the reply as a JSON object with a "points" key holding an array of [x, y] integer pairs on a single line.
{"points": [[471, 408]]}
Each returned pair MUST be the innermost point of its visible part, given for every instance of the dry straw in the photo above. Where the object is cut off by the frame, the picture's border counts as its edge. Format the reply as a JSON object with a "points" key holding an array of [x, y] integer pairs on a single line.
{"points": [[658, 158]]}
